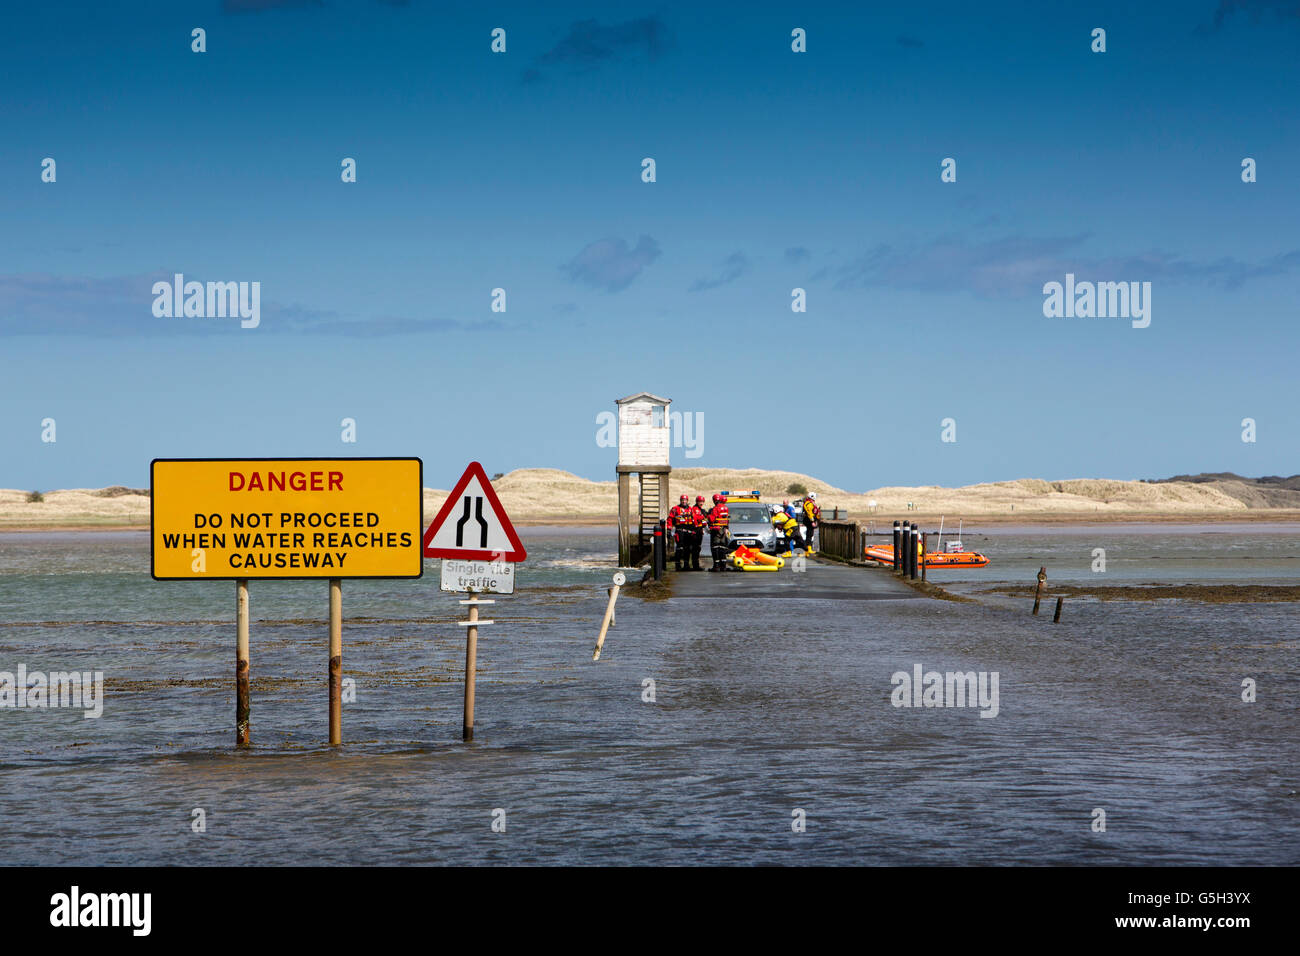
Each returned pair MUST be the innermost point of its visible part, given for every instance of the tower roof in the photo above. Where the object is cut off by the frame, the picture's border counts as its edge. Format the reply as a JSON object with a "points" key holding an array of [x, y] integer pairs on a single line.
{"points": [[643, 396]]}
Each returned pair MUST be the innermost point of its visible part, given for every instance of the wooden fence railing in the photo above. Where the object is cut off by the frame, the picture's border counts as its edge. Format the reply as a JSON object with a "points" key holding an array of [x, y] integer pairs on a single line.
{"points": [[840, 539]]}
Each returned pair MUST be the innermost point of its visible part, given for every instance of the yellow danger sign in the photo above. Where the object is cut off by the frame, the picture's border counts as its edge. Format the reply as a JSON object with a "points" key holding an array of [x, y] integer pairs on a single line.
{"points": [[235, 518]]}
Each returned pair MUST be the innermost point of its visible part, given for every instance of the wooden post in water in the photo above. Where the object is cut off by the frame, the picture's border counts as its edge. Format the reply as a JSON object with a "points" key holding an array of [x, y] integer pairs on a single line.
{"points": [[1056, 618], [1038, 591], [471, 662], [624, 519], [604, 625], [241, 664], [336, 662]]}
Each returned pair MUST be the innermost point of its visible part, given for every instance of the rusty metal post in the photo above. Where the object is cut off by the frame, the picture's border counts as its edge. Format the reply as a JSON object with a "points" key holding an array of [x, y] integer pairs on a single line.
{"points": [[1056, 618], [336, 662], [242, 706], [1038, 591]]}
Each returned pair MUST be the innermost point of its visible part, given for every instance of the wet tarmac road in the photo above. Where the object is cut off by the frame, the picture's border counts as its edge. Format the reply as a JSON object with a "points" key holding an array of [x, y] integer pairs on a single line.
{"points": [[818, 581]]}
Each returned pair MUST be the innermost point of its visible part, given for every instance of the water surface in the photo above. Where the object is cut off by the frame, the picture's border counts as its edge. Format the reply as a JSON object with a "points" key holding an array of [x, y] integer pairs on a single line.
{"points": [[762, 707]]}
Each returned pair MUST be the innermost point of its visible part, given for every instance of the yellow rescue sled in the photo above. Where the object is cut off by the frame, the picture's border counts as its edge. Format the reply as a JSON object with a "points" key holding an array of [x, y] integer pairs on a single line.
{"points": [[751, 559]]}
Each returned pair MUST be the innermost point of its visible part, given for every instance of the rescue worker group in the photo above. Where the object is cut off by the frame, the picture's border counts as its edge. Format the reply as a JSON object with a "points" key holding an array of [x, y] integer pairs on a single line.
{"points": [[794, 526]]}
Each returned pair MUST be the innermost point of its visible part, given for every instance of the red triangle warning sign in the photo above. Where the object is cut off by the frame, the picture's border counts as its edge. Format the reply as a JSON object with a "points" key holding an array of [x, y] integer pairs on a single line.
{"points": [[472, 524]]}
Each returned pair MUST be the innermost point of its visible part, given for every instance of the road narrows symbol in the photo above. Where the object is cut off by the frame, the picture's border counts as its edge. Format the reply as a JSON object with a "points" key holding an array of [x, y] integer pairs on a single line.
{"points": [[478, 516], [452, 534], [460, 525]]}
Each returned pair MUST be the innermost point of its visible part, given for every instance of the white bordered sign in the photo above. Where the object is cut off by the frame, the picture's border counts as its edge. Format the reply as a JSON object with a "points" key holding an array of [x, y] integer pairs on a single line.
{"points": [[481, 577], [472, 524]]}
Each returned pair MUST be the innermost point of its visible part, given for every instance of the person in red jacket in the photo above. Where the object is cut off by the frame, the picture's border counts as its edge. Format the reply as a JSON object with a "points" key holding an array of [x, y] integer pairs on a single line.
{"points": [[719, 518], [681, 525], [697, 539]]}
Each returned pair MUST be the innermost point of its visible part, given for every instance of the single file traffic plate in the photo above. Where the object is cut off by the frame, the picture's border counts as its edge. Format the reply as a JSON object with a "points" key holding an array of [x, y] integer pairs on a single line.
{"points": [[482, 577]]}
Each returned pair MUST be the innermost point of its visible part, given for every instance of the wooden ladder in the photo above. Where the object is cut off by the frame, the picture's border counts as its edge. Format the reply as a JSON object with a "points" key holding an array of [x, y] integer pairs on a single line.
{"points": [[649, 502]]}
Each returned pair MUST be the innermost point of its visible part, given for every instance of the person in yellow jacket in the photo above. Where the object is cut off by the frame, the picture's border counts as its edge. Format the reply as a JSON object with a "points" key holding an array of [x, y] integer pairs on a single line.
{"points": [[788, 528], [812, 514]]}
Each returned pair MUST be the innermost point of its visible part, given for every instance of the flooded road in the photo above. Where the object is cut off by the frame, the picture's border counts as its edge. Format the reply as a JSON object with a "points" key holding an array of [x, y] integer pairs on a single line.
{"points": [[761, 707]]}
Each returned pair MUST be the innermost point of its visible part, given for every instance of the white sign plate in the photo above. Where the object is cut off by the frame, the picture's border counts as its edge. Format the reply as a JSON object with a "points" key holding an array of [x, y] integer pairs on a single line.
{"points": [[483, 577]]}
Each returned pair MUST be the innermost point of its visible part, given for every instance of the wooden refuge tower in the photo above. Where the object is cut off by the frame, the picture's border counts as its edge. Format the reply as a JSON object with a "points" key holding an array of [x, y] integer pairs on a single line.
{"points": [[643, 443]]}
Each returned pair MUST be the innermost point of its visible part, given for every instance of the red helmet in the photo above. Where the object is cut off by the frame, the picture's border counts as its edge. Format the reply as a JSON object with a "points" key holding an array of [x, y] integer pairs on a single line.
{"points": [[686, 499], [717, 498], [699, 498]]}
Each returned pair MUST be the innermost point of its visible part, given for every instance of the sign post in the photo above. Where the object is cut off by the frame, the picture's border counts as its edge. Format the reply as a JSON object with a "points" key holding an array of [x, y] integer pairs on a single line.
{"points": [[243, 518], [471, 668], [471, 662], [336, 662], [241, 664], [473, 536]]}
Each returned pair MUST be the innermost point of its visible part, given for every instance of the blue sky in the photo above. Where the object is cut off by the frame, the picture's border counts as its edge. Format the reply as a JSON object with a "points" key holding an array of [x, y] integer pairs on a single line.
{"points": [[775, 170]]}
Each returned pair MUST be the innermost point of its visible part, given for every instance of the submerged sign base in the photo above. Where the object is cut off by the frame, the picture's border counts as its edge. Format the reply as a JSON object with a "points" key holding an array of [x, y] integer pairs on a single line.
{"points": [[482, 577]]}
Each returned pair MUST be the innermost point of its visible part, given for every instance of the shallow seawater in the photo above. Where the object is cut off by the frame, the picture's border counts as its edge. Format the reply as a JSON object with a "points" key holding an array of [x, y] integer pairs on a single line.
{"points": [[762, 707], [1133, 554]]}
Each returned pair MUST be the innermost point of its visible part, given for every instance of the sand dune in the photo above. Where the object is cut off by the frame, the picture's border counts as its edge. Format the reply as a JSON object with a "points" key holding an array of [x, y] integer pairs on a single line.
{"points": [[543, 494], [551, 496], [74, 507]]}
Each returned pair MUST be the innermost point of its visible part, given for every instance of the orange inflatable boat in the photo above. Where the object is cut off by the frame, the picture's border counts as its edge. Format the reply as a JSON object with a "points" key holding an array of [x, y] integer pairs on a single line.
{"points": [[884, 554]]}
